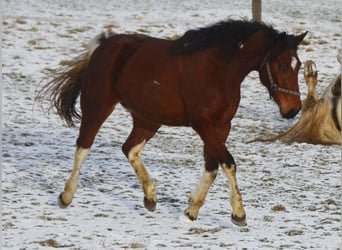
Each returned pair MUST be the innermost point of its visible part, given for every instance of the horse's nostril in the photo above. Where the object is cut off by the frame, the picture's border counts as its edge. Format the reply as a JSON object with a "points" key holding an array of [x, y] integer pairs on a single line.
{"points": [[290, 114]]}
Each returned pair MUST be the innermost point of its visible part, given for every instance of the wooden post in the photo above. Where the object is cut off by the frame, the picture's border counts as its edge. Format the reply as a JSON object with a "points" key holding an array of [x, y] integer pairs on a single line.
{"points": [[256, 10]]}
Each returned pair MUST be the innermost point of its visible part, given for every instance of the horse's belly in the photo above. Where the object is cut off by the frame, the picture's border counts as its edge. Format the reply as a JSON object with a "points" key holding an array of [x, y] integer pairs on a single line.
{"points": [[162, 117], [154, 103]]}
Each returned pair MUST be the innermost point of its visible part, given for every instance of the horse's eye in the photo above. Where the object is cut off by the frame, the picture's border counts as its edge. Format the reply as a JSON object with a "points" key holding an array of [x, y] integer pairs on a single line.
{"points": [[282, 67]]}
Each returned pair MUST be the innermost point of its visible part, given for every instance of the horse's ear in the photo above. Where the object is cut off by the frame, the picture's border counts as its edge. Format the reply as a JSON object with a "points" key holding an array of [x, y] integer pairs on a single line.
{"points": [[300, 37]]}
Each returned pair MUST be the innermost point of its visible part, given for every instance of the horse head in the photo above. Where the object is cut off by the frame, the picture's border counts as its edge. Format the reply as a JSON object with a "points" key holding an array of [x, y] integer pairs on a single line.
{"points": [[279, 73]]}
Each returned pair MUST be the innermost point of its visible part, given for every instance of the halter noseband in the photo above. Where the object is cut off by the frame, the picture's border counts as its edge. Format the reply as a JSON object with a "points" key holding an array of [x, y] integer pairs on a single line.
{"points": [[275, 87]]}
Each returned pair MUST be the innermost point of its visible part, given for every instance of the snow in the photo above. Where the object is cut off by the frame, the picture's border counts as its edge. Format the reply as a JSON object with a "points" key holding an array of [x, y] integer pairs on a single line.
{"points": [[291, 193]]}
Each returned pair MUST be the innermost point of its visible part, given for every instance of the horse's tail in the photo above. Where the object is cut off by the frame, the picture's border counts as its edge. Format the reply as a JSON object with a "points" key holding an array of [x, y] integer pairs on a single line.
{"points": [[64, 89]]}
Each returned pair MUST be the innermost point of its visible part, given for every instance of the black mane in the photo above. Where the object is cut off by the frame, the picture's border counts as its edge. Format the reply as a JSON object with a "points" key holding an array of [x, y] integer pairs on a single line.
{"points": [[226, 34]]}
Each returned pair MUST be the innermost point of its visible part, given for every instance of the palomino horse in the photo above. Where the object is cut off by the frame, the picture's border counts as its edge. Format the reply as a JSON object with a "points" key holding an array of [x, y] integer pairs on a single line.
{"points": [[334, 88], [192, 81], [320, 122]]}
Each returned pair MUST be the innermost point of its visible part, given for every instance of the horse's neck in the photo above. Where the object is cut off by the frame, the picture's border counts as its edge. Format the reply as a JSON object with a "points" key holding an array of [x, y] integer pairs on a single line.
{"points": [[254, 50], [244, 62]]}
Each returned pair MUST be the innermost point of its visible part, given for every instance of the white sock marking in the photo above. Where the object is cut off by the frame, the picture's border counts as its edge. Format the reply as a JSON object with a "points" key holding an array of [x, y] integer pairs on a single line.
{"points": [[134, 158]]}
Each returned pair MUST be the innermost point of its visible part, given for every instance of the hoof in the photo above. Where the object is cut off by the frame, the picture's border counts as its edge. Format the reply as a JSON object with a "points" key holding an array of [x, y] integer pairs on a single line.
{"points": [[239, 221], [64, 199], [150, 205], [310, 68], [189, 215]]}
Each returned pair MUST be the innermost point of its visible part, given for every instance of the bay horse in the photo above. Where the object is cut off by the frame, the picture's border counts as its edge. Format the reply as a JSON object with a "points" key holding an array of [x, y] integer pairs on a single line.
{"points": [[192, 81]]}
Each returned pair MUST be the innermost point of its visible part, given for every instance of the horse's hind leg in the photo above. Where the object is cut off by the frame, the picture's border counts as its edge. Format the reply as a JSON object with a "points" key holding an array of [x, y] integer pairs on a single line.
{"points": [[65, 198], [94, 112], [132, 148]]}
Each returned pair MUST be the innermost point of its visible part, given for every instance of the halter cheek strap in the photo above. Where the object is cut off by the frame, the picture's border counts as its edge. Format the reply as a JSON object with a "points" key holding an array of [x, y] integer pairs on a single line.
{"points": [[275, 87]]}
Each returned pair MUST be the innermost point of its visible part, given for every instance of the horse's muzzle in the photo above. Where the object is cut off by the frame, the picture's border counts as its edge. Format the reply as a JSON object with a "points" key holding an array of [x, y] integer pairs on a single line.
{"points": [[290, 114]]}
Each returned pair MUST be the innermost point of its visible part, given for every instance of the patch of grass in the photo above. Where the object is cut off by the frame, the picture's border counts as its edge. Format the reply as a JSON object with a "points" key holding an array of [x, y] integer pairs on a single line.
{"points": [[41, 48], [65, 36], [7, 225], [32, 42], [54, 24], [278, 208], [50, 243], [312, 208], [49, 218], [226, 246], [20, 21], [78, 30], [161, 245], [294, 232], [329, 202], [53, 243], [198, 230], [137, 245], [101, 215], [244, 230]]}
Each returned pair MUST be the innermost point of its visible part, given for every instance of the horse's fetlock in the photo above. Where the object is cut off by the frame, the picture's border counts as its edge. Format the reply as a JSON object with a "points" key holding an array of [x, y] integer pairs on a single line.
{"points": [[191, 213]]}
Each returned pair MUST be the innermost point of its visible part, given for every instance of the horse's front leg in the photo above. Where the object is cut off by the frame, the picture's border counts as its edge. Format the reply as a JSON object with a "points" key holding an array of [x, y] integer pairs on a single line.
{"points": [[216, 153]]}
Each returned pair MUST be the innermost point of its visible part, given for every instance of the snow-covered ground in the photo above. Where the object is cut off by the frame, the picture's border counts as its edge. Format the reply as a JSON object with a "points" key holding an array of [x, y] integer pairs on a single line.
{"points": [[291, 193]]}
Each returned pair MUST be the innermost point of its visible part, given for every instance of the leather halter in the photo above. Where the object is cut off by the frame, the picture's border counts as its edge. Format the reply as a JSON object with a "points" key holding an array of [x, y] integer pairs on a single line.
{"points": [[275, 87]]}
